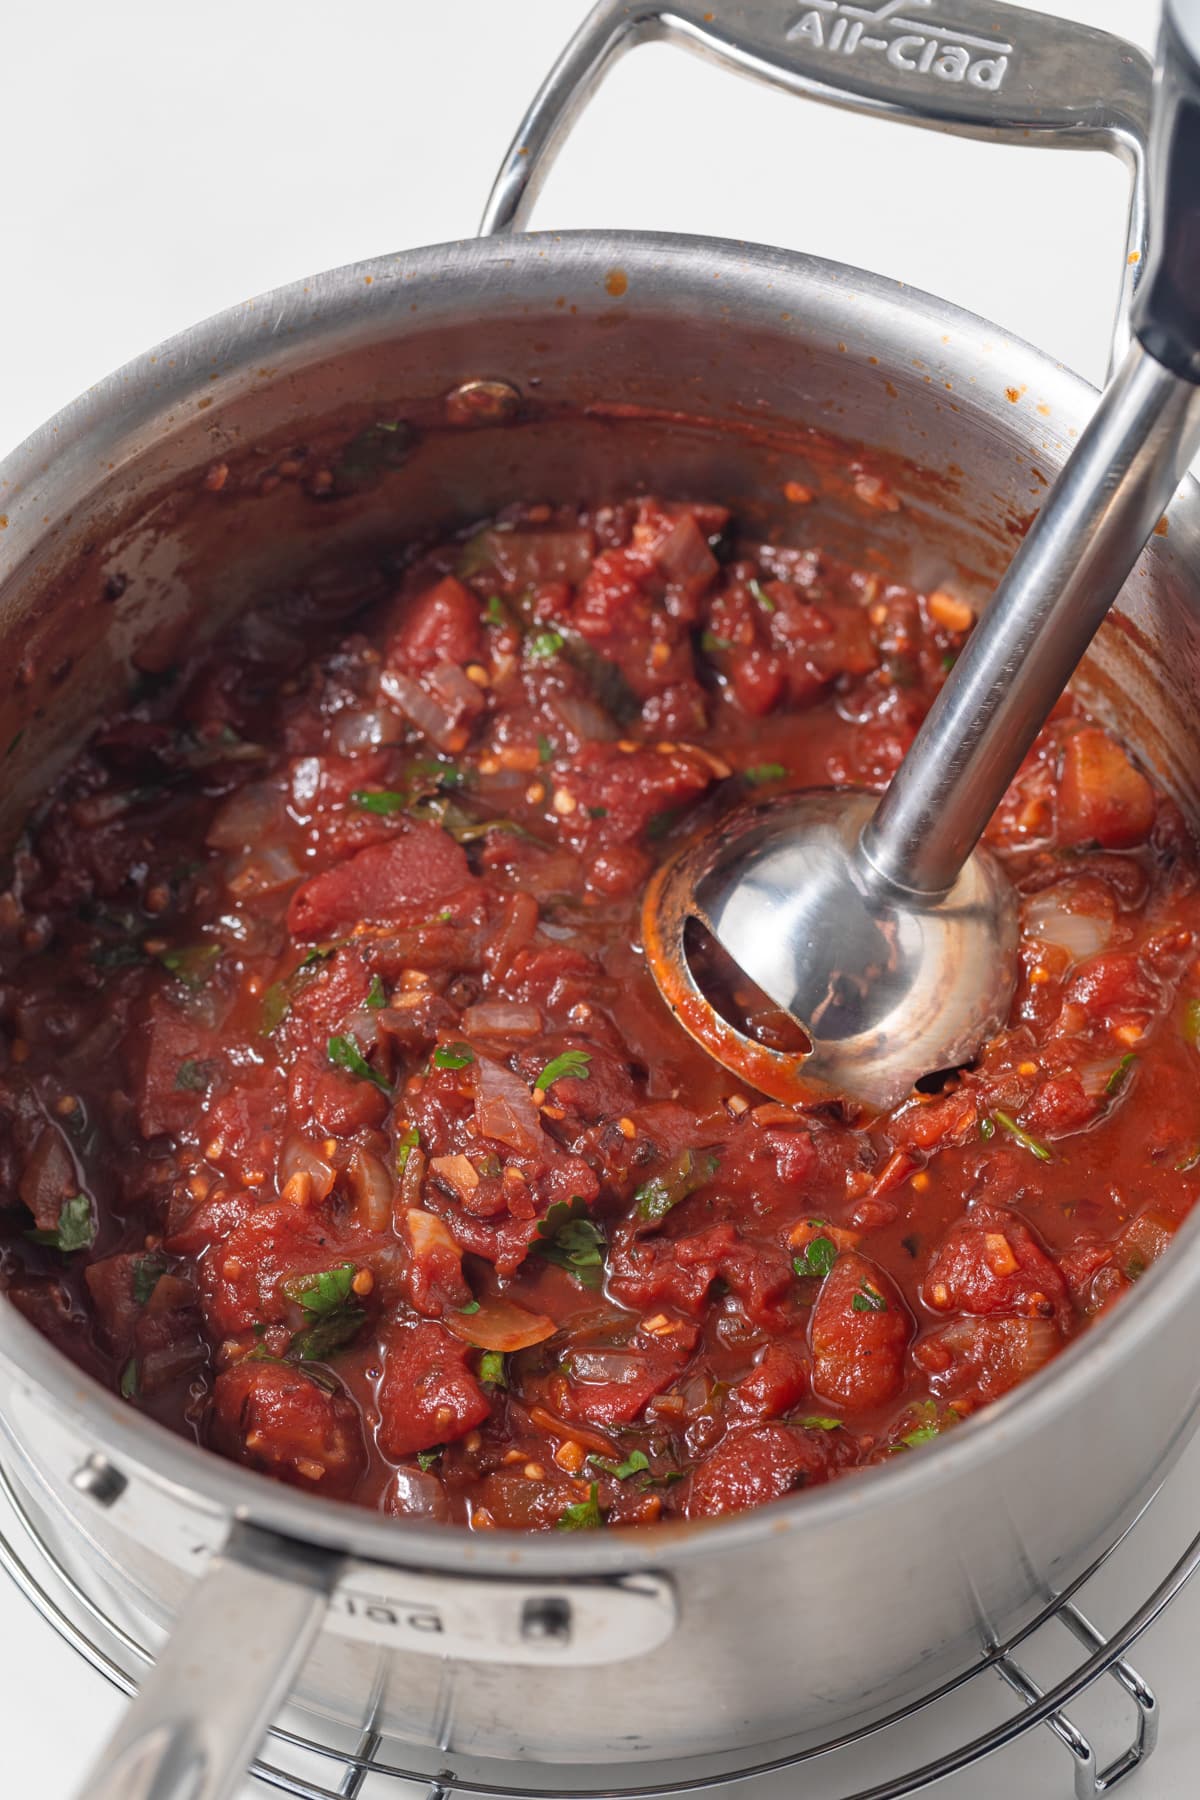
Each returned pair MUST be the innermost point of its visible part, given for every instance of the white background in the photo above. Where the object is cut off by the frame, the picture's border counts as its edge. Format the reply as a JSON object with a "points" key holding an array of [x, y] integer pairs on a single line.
{"points": [[160, 163]]}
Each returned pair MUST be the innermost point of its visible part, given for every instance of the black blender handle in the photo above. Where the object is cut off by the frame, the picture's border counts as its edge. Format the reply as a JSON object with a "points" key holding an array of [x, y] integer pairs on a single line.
{"points": [[1166, 316]]}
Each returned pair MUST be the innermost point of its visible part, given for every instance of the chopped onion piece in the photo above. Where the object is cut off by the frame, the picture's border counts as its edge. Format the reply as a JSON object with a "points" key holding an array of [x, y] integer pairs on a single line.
{"points": [[501, 1019], [299, 1158], [371, 1187], [500, 1324], [504, 1108], [248, 817]]}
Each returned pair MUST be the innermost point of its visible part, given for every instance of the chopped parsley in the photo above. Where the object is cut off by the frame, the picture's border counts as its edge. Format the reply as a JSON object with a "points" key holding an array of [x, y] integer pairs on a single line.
{"points": [[324, 1292], [710, 642], [146, 1271], [869, 1299], [332, 1313], [690, 1170], [344, 1053], [380, 800], [763, 599], [572, 1062], [1120, 1074], [453, 1056], [1191, 1022], [427, 1458], [636, 1463], [545, 749], [987, 1129], [194, 1077], [472, 1306], [409, 1141], [376, 994], [583, 1515], [818, 1257], [491, 1369], [762, 773], [276, 1003], [818, 1422], [329, 1332], [493, 610], [129, 1379], [1018, 1133], [192, 965], [546, 643], [76, 1228], [570, 1239]]}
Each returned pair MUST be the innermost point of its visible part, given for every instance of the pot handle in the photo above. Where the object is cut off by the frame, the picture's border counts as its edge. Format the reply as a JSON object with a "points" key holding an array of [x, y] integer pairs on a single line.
{"points": [[240, 1638], [999, 72]]}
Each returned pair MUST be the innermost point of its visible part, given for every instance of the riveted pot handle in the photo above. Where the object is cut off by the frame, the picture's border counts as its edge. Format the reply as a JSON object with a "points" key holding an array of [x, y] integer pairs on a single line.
{"points": [[998, 72], [240, 1638]]}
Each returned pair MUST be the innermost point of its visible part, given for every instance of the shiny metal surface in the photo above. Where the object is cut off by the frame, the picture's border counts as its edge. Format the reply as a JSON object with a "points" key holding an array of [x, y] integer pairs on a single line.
{"points": [[885, 989], [203, 1710], [113, 1642], [999, 72], [710, 367], [1071, 566]]}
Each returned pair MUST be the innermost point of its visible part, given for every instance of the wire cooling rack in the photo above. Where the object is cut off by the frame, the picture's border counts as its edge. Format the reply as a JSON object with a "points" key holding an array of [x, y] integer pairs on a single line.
{"points": [[94, 1623]]}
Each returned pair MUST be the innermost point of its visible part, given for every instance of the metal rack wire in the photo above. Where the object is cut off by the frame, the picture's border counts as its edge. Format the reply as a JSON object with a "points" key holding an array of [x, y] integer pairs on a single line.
{"points": [[310, 1768]]}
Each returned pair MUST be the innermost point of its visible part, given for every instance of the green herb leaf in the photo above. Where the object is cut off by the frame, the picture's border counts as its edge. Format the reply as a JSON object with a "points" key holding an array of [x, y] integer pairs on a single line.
{"points": [[344, 1053], [1120, 1074], [869, 1299], [146, 1271], [1022, 1137], [710, 643], [1191, 1022], [194, 1077], [453, 1056], [546, 643], [572, 1062], [427, 1458], [192, 965], [636, 1463], [493, 611], [472, 1306], [987, 1129], [330, 1331], [924, 1434], [691, 1170], [117, 956], [76, 1228], [491, 1369], [818, 1257], [764, 599], [1188, 1160], [818, 1422], [762, 773], [380, 800], [129, 1379], [324, 1292], [584, 1515], [275, 1007], [405, 1145], [545, 749], [376, 994], [568, 1237]]}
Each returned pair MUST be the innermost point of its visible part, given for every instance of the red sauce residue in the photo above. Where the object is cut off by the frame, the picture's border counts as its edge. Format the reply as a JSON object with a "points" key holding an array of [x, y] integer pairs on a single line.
{"points": [[617, 283]]}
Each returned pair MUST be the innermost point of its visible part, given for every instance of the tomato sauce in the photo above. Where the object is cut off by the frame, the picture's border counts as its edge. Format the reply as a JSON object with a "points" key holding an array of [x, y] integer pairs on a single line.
{"points": [[344, 1128]]}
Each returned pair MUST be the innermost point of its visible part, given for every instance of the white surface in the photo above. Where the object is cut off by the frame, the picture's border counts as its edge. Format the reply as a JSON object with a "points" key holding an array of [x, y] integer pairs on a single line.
{"points": [[162, 163]]}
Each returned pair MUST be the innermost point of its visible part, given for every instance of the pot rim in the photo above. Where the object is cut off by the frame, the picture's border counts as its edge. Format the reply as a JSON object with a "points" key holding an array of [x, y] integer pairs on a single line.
{"points": [[146, 396]]}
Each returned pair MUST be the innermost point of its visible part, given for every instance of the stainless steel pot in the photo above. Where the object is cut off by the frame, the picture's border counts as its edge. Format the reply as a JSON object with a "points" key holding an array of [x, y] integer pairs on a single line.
{"points": [[694, 366]]}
